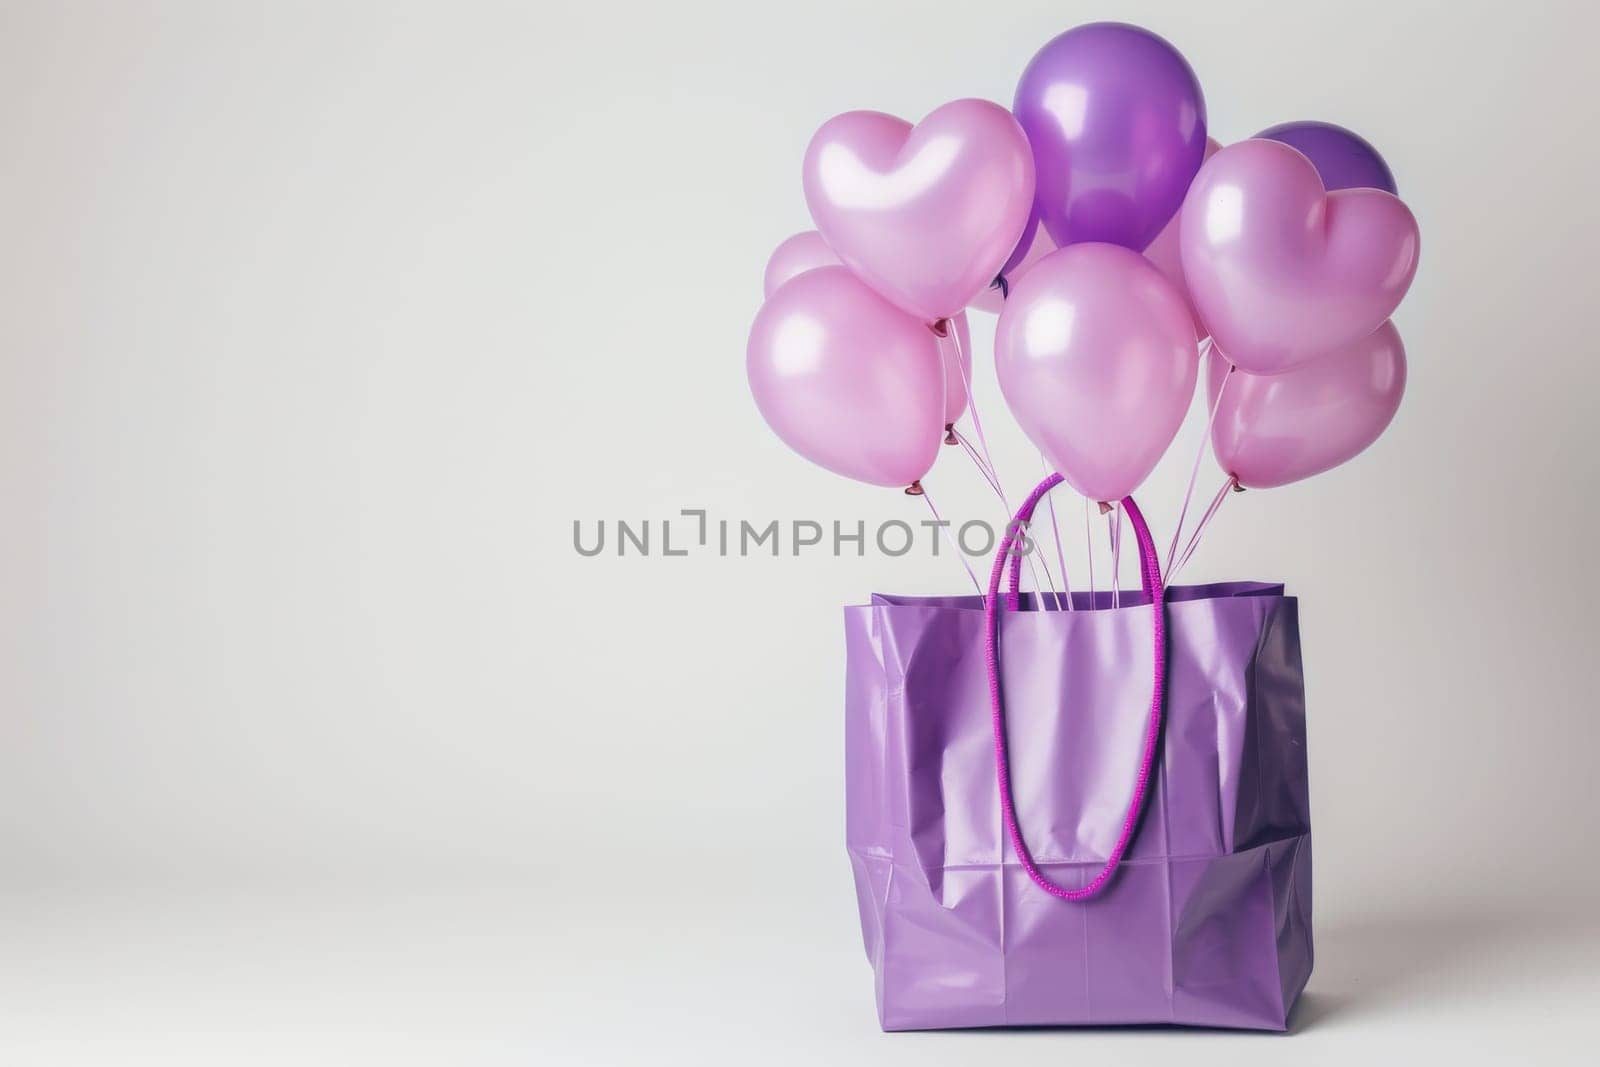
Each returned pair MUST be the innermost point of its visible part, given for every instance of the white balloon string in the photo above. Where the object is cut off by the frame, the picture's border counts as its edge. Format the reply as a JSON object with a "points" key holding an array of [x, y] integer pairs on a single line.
{"points": [[1088, 540], [1044, 562], [1055, 530], [972, 409], [989, 475], [944, 528], [1033, 569], [988, 464], [1205, 520], [1199, 454], [1113, 539], [1118, 567], [977, 461]]}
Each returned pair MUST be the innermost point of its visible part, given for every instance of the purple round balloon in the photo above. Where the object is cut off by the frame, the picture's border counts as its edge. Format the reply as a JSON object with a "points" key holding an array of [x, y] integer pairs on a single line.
{"points": [[1117, 124], [1344, 159]]}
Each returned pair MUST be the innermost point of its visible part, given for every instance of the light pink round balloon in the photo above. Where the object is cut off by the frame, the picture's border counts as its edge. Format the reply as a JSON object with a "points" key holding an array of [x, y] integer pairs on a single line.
{"points": [[796, 255], [1096, 357], [808, 251], [1274, 429], [925, 215], [1164, 253], [1282, 271], [846, 379]]}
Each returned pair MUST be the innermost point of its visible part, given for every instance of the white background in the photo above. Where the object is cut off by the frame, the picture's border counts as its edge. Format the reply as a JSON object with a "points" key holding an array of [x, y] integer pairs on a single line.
{"points": [[321, 324]]}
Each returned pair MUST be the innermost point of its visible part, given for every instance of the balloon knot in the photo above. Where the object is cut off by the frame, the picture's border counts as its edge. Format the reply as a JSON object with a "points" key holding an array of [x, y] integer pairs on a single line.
{"points": [[915, 488], [950, 437], [1237, 488], [1105, 509], [941, 328], [1001, 284]]}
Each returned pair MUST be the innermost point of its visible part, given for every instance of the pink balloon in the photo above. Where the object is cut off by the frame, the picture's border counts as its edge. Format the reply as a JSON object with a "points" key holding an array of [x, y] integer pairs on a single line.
{"points": [[1275, 429], [1163, 252], [796, 255], [1096, 357], [808, 251], [925, 215], [846, 379], [1283, 271]]}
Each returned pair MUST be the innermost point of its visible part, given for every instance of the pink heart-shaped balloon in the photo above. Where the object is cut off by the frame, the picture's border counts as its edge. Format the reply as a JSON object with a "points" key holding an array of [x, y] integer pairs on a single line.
{"points": [[1273, 429], [808, 251], [1283, 271], [925, 215]]}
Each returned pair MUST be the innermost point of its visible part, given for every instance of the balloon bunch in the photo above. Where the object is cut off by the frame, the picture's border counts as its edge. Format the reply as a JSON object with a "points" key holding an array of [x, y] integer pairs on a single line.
{"points": [[1118, 244]]}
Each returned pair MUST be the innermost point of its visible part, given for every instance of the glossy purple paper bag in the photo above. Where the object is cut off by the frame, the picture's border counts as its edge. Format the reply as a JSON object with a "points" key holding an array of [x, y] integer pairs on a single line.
{"points": [[1207, 921]]}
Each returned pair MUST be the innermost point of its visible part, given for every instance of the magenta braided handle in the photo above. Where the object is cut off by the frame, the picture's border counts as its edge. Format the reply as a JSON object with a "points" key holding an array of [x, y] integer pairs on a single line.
{"points": [[1150, 574]]}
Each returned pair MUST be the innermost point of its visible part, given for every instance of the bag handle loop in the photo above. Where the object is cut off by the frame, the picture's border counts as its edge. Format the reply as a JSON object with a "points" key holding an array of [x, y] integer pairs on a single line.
{"points": [[1150, 577]]}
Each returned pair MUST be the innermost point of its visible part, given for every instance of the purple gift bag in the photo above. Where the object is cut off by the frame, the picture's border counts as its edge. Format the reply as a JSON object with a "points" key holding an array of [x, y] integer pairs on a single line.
{"points": [[1085, 817]]}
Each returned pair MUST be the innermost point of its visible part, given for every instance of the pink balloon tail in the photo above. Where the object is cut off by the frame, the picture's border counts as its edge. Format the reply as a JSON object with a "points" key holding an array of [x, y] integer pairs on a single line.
{"points": [[915, 489], [1088, 540], [950, 437]]}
